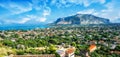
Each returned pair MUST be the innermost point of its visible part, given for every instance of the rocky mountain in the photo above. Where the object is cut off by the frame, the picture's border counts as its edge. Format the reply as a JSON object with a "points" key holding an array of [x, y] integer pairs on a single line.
{"points": [[82, 19]]}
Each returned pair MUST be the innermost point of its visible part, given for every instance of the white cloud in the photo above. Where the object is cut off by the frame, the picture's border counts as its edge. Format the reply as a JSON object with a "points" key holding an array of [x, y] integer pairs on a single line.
{"points": [[22, 21], [89, 2], [102, 1], [36, 4], [46, 11], [89, 11], [37, 18], [85, 3], [42, 19], [39, 4], [111, 12], [16, 8]]}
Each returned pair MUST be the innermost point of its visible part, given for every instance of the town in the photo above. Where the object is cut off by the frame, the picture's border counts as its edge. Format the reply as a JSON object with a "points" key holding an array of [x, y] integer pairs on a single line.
{"points": [[62, 41]]}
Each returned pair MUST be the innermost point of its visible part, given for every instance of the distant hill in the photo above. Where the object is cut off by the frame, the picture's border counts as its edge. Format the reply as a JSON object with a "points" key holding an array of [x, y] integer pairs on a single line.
{"points": [[82, 19]]}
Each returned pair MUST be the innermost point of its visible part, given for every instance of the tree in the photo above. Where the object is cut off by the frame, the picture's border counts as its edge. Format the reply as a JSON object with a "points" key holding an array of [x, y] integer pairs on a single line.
{"points": [[73, 44], [52, 49]]}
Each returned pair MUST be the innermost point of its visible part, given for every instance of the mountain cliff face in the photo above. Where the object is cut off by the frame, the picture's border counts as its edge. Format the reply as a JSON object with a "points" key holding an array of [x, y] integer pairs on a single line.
{"points": [[82, 19]]}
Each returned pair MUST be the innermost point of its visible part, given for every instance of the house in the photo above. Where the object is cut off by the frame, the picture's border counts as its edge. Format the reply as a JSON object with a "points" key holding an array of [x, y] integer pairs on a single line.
{"points": [[93, 42], [13, 39], [66, 52], [39, 48], [20, 46], [84, 53], [87, 55], [92, 47], [105, 44], [101, 42], [61, 52], [70, 52], [112, 46]]}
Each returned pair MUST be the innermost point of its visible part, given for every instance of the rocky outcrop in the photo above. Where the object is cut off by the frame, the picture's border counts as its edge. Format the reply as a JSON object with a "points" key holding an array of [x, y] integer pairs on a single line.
{"points": [[82, 19]]}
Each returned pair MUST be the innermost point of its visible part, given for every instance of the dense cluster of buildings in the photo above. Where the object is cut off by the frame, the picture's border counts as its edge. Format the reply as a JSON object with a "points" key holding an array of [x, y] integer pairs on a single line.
{"points": [[93, 37]]}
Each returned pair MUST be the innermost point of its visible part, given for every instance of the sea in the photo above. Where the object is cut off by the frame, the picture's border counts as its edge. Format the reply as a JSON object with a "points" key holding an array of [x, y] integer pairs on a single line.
{"points": [[22, 27]]}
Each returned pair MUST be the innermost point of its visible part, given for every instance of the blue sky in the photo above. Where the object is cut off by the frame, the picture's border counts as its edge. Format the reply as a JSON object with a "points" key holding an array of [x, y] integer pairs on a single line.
{"points": [[47, 11]]}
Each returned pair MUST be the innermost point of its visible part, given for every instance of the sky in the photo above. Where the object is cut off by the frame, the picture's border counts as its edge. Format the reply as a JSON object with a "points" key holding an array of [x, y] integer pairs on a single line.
{"points": [[47, 11]]}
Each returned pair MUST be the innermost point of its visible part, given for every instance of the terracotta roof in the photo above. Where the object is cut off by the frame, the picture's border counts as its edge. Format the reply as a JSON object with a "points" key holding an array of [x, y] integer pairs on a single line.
{"points": [[92, 47], [70, 50]]}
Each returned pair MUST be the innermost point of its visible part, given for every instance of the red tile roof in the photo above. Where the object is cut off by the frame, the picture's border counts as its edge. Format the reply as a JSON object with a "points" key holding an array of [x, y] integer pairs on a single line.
{"points": [[70, 50], [92, 47]]}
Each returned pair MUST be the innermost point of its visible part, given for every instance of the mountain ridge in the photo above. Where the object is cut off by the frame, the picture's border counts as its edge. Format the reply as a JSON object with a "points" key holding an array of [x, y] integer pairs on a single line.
{"points": [[82, 19]]}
